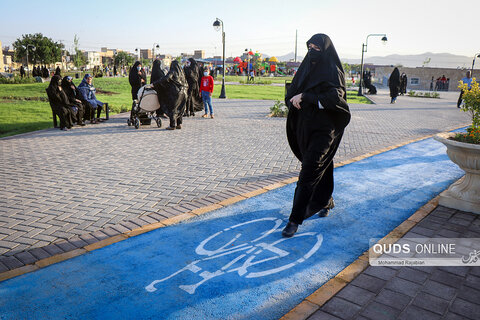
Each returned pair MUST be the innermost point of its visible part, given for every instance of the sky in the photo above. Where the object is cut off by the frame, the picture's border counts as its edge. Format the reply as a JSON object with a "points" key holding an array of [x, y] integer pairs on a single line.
{"points": [[412, 27]]}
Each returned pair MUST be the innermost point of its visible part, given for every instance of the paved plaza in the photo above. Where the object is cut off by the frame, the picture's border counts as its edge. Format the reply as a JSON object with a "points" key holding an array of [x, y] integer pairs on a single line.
{"points": [[62, 185]]}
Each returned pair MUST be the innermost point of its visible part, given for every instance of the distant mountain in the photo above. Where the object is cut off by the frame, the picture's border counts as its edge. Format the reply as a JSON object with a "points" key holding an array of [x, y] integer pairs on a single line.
{"points": [[287, 57], [427, 59]]}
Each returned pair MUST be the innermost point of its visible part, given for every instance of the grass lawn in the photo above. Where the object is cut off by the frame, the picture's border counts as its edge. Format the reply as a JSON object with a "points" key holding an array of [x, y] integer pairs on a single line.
{"points": [[18, 115]]}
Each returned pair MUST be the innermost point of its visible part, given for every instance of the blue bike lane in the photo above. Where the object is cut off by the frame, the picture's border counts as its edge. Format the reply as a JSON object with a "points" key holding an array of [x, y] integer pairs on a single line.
{"points": [[232, 263]]}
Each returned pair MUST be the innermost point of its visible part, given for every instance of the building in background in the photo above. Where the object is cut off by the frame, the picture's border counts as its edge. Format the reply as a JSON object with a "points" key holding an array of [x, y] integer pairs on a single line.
{"points": [[2, 65], [94, 59], [199, 54], [146, 54]]}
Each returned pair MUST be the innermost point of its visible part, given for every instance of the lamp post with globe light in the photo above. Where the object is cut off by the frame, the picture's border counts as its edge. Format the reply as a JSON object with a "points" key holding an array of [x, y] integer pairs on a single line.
{"points": [[217, 24], [364, 49]]}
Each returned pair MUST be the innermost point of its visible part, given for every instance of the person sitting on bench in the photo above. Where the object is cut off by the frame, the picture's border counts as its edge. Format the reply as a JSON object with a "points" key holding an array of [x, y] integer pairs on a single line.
{"points": [[71, 92], [87, 90], [60, 104]]}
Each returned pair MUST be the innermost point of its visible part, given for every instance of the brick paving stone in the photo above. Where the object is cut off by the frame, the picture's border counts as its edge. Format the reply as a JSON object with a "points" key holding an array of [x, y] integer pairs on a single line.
{"points": [[459, 271], [472, 281], [99, 235], [25, 257], [384, 273], [447, 278], [452, 316], [423, 231], [393, 299], [65, 246], [52, 249], [403, 286], [465, 308], [321, 315], [341, 308], [413, 312], [88, 238], [469, 294], [431, 303], [355, 294], [77, 242], [438, 289], [369, 283], [3, 267], [11, 262], [412, 275], [377, 310], [39, 253]]}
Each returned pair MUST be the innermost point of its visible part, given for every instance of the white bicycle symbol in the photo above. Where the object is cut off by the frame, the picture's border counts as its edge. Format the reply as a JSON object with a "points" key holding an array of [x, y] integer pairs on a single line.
{"points": [[248, 251]]}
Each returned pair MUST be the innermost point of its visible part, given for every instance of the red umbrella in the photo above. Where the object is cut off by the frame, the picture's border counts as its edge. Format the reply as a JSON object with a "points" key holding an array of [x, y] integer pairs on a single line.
{"points": [[237, 59], [250, 53]]}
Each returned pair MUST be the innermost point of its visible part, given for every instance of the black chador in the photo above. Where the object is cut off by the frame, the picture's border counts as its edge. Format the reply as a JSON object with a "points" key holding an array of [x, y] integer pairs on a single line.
{"points": [[394, 84], [157, 72], [74, 98], [137, 79], [172, 94], [59, 102], [318, 114], [194, 101]]}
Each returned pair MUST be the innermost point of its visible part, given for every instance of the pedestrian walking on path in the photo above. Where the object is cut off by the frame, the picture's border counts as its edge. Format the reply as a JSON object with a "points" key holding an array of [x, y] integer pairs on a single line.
{"points": [[468, 81], [318, 114], [206, 90], [394, 84]]}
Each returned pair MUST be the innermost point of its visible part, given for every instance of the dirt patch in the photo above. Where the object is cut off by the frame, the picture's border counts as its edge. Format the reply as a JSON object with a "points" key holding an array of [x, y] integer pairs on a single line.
{"points": [[108, 93]]}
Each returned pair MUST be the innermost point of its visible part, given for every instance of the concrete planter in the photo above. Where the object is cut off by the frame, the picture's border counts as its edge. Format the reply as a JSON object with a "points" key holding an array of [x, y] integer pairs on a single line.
{"points": [[464, 194]]}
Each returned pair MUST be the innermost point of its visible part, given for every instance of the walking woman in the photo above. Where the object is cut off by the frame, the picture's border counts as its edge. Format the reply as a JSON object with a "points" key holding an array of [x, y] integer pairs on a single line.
{"points": [[394, 84], [318, 114]]}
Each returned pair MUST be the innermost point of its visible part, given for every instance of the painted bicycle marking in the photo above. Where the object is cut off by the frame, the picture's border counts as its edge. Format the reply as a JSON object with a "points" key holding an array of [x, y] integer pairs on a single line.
{"points": [[245, 252]]}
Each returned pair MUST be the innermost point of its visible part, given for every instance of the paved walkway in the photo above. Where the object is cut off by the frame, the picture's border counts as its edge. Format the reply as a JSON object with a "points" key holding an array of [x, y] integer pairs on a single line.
{"points": [[232, 263], [92, 182], [414, 292]]}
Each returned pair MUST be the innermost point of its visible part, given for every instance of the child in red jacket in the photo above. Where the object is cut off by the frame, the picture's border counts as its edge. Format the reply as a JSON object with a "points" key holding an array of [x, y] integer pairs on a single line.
{"points": [[206, 89]]}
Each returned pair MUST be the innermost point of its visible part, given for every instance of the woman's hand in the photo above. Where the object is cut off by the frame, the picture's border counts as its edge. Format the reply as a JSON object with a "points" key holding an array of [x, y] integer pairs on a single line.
{"points": [[296, 100]]}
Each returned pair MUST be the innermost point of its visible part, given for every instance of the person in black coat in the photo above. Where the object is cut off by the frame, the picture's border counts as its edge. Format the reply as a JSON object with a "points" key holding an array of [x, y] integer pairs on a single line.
{"points": [[137, 79], [58, 71], [60, 104], [74, 99], [403, 83], [45, 72], [157, 72], [22, 71], [318, 114], [394, 84], [172, 95], [194, 102]]}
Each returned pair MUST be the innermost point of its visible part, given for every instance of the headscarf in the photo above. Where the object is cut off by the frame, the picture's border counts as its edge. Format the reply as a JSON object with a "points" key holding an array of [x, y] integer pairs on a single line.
{"points": [[53, 91], [157, 71], [134, 77], [176, 75], [319, 68], [67, 87], [84, 82]]}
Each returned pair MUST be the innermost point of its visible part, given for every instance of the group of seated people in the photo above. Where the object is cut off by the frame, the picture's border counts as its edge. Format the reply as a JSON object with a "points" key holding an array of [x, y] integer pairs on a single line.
{"points": [[74, 104]]}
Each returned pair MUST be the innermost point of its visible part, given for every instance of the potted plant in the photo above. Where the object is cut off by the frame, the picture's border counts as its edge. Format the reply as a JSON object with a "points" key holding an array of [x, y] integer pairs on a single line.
{"points": [[464, 150]]}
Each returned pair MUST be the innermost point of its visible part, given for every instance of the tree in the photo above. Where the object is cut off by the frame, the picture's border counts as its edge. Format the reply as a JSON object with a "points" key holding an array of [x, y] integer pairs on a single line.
{"points": [[46, 50], [122, 58], [79, 59]]}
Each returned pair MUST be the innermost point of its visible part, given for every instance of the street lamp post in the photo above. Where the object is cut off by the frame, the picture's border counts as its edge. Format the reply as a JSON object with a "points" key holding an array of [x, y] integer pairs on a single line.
{"points": [[34, 48], [477, 55], [157, 46], [138, 50], [217, 25], [364, 49]]}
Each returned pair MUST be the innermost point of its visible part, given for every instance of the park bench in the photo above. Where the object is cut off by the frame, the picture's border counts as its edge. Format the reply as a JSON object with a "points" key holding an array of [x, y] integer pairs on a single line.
{"points": [[54, 114]]}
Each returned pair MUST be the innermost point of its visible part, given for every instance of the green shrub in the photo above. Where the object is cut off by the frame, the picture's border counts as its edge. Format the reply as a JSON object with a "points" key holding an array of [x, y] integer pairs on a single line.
{"points": [[279, 109], [17, 80]]}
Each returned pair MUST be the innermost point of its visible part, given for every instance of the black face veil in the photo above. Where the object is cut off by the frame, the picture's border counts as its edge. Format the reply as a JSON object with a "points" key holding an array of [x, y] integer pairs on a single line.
{"points": [[318, 68]]}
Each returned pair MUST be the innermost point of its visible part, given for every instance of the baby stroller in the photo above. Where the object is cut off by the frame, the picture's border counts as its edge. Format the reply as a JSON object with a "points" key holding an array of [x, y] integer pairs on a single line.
{"points": [[144, 109]]}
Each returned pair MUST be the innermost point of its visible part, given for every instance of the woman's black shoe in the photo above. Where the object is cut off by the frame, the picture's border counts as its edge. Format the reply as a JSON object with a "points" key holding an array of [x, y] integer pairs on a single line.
{"points": [[290, 229], [325, 211]]}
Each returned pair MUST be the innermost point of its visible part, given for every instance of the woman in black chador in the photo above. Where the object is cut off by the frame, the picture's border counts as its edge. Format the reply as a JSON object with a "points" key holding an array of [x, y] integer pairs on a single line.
{"points": [[60, 104], [394, 84], [137, 78], [318, 114], [157, 71], [172, 94], [194, 101], [403, 83], [74, 98]]}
